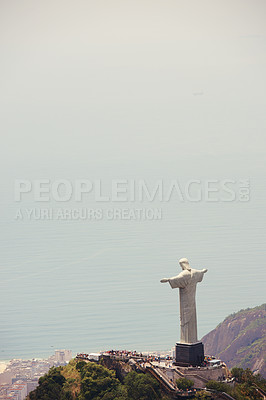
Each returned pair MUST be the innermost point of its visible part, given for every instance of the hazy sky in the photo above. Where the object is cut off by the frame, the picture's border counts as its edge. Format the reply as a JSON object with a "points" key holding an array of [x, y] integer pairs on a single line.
{"points": [[129, 89], [140, 79]]}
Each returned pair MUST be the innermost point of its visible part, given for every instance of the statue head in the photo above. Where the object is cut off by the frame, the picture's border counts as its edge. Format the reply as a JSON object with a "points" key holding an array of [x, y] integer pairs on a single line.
{"points": [[184, 264]]}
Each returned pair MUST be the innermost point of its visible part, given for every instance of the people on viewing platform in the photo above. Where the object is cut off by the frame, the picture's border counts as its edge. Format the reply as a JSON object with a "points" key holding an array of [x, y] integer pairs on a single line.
{"points": [[128, 354]]}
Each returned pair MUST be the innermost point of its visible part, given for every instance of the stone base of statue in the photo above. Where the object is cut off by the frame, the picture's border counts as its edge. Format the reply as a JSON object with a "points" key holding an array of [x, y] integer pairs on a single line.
{"points": [[189, 354]]}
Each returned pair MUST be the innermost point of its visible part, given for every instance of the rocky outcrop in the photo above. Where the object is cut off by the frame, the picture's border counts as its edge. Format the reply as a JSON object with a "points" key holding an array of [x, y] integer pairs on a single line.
{"points": [[240, 340], [121, 368]]}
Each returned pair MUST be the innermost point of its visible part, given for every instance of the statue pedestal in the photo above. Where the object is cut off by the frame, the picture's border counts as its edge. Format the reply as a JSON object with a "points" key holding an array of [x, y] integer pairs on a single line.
{"points": [[189, 354]]}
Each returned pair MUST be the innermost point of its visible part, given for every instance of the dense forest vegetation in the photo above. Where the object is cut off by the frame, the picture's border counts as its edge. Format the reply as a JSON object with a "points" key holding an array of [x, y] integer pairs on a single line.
{"points": [[91, 381]]}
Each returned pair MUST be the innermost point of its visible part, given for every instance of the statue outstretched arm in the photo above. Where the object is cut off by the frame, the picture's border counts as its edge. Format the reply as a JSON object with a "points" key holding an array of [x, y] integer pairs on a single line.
{"points": [[204, 270], [164, 280]]}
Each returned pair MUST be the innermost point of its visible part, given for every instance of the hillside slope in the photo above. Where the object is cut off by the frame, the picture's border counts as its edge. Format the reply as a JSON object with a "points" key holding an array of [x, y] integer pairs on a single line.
{"points": [[240, 340]]}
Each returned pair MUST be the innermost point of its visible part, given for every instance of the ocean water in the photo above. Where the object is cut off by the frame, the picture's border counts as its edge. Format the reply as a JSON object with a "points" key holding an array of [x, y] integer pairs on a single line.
{"points": [[91, 285], [134, 91]]}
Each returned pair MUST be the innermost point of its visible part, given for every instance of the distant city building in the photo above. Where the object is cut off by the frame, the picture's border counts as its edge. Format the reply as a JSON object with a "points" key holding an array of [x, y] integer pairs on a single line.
{"points": [[21, 376], [63, 356], [17, 391]]}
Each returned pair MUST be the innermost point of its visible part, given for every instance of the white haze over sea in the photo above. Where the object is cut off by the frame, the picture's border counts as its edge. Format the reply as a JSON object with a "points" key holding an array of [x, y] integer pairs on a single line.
{"points": [[165, 90]]}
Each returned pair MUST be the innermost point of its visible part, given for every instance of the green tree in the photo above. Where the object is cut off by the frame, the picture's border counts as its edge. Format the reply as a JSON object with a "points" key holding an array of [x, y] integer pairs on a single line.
{"points": [[248, 385], [98, 382], [218, 386], [184, 383], [51, 387], [80, 365], [203, 395], [245, 391], [141, 387], [237, 373]]}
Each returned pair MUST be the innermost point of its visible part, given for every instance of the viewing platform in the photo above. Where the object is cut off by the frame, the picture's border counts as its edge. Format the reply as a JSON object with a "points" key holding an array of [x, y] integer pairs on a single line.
{"points": [[163, 369]]}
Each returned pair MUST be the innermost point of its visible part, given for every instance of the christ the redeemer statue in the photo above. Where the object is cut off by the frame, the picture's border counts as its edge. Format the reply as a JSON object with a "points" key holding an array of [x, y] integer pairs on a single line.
{"points": [[187, 281]]}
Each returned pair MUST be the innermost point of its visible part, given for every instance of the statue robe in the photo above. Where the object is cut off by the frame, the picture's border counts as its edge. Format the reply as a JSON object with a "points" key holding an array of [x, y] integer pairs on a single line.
{"points": [[187, 281]]}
